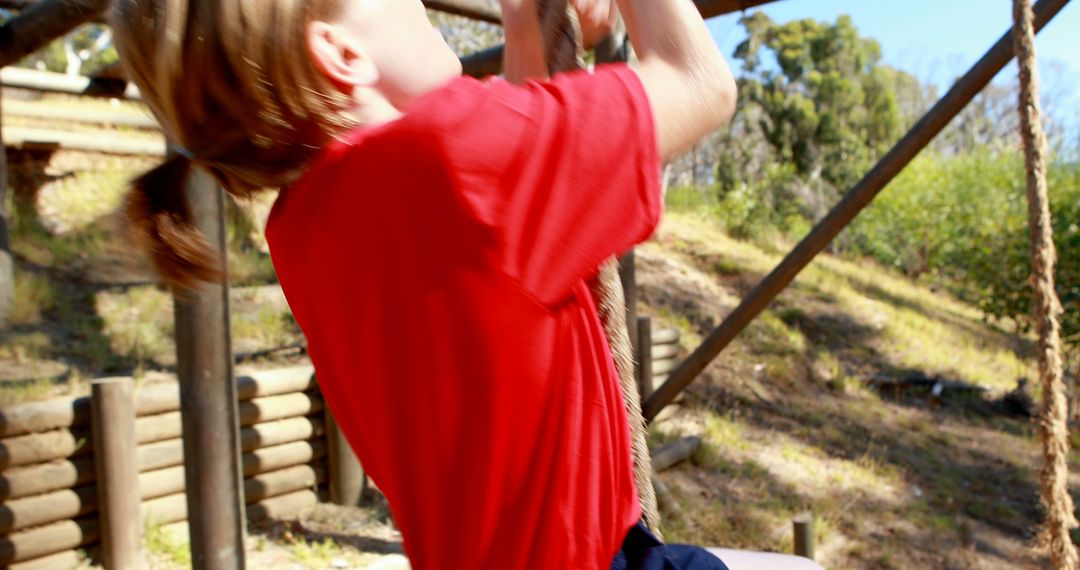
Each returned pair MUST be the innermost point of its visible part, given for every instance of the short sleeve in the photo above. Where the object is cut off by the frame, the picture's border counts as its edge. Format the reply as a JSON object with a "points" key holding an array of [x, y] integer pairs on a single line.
{"points": [[565, 173]]}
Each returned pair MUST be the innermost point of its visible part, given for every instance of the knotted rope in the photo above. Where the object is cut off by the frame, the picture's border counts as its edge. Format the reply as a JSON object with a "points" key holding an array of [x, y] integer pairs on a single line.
{"points": [[1053, 426], [563, 52]]}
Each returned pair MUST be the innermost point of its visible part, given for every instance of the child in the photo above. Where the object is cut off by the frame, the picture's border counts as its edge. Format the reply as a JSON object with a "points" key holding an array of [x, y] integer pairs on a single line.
{"points": [[434, 236]]}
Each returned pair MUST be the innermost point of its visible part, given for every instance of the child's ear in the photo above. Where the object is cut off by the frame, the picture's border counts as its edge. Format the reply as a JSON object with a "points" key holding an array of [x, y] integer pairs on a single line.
{"points": [[339, 56]]}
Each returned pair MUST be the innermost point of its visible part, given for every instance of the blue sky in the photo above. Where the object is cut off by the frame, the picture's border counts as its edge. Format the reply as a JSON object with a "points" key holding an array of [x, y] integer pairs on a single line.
{"points": [[937, 40]]}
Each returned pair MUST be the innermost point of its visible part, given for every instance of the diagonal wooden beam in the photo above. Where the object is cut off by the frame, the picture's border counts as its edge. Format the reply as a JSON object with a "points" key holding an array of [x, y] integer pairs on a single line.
{"points": [[841, 215], [489, 61]]}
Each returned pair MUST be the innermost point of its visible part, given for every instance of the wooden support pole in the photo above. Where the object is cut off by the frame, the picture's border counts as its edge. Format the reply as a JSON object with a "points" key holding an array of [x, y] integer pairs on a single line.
{"points": [[644, 369], [346, 473], [208, 400], [43, 22], [804, 534], [113, 420], [7, 263], [841, 215]]}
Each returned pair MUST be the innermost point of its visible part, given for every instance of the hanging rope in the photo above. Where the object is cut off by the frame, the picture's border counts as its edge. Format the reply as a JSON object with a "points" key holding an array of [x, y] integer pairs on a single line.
{"points": [[562, 39], [1053, 427]]}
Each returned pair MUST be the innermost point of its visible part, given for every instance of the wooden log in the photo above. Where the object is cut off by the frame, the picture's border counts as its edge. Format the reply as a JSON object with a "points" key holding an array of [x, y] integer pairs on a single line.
{"points": [[664, 366], [164, 510], [67, 560], [30, 137], [262, 383], [41, 23], [38, 510], [96, 117], [208, 396], [666, 336], [282, 456], [43, 416], [160, 455], [665, 351], [905, 150], [161, 483], [49, 82], [271, 436], [803, 524], [346, 474], [45, 540], [42, 478], [283, 506], [669, 455], [280, 432], [263, 414], [115, 457], [41, 447], [645, 358], [278, 407], [282, 482]]}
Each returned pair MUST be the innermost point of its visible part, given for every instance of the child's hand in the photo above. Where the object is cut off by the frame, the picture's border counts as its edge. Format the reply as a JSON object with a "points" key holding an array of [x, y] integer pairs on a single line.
{"points": [[597, 18]]}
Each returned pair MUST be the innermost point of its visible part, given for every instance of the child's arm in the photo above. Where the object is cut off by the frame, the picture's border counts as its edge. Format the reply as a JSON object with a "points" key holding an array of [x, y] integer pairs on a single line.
{"points": [[690, 87]]}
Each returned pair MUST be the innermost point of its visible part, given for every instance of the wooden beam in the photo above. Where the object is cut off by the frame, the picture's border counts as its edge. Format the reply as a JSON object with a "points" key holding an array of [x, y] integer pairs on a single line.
{"points": [[41, 23], [489, 61], [841, 215], [49, 82], [474, 9]]}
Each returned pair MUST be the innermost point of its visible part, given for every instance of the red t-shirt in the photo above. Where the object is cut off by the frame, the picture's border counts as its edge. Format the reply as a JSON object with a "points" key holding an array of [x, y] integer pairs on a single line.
{"points": [[438, 266]]}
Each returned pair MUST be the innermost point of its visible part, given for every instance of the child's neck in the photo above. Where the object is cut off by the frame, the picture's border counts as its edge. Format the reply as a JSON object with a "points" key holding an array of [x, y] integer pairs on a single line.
{"points": [[373, 109]]}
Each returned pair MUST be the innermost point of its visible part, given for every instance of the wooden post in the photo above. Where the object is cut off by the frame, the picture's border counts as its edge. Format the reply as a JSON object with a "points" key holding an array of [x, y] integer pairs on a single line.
{"points": [[7, 263], [905, 150], [645, 374], [113, 419], [346, 473], [208, 400], [804, 534]]}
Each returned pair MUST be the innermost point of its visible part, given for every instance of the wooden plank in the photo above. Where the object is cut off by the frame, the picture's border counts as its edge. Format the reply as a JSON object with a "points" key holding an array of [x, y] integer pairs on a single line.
{"points": [[31, 137], [117, 471], [282, 456], [44, 509], [920, 135], [46, 540], [44, 477], [166, 482], [269, 436], [41, 23]]}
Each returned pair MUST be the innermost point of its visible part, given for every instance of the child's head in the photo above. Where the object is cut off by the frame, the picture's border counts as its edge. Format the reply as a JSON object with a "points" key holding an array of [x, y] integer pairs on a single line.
{"points": [[253, 88]]}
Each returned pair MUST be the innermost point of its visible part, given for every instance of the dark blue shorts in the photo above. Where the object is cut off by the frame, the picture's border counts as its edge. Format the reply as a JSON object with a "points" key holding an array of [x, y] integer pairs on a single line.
{"points": [[642, 551]]}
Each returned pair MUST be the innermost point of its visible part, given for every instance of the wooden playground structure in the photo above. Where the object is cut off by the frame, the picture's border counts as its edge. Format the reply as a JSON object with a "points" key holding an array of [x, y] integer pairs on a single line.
{"points": [[214, 414]]}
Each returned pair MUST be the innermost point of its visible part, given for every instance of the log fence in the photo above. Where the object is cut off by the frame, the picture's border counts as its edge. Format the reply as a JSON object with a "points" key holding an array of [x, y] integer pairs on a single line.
{"points": [[70, 478]]}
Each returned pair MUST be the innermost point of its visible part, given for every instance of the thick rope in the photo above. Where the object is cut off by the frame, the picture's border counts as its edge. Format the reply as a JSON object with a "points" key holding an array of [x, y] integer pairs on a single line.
{"points": [[1053, 427], [562, 39]]}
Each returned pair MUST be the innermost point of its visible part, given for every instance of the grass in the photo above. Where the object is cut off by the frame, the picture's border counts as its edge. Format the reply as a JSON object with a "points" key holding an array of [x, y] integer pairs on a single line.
{"points": [[894, 483], [167, 545], [34, 296]]}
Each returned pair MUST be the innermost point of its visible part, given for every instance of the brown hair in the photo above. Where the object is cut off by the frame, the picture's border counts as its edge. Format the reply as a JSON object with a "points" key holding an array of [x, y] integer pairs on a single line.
{"points": [[232, 85]]}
